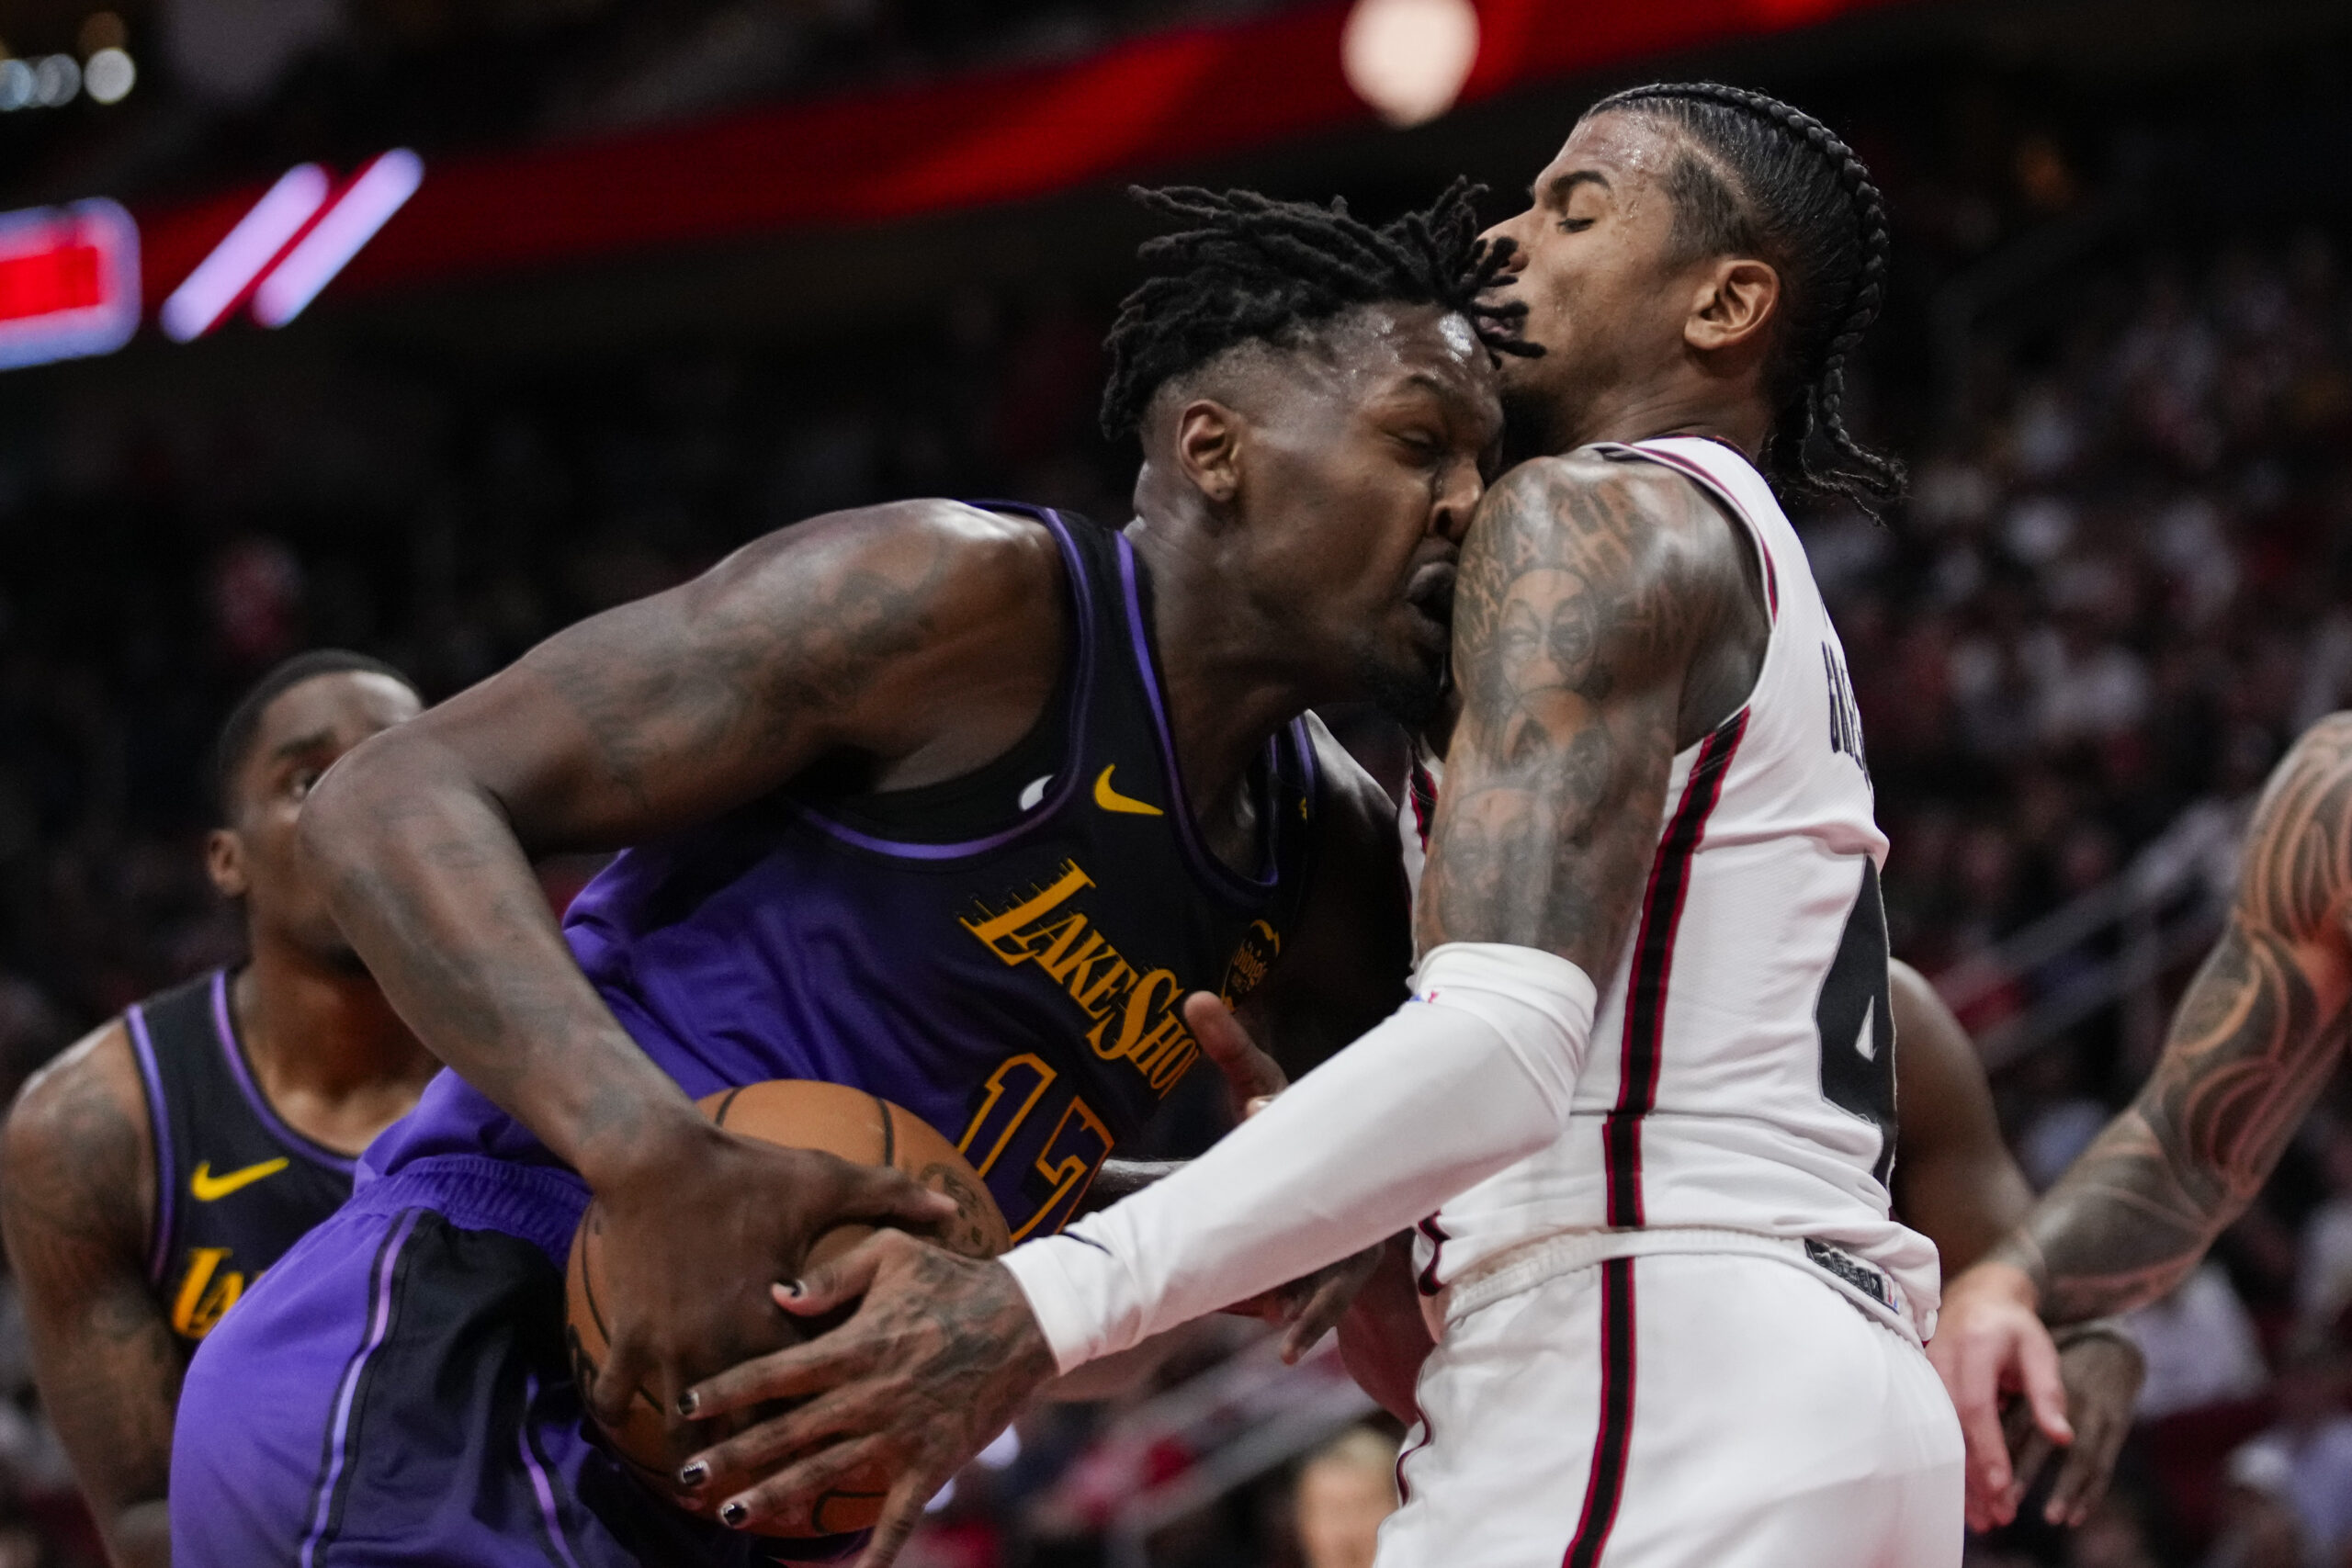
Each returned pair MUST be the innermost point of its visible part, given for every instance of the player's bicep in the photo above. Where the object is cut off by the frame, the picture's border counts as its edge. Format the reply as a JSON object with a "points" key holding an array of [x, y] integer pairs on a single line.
{"points": [[1574, 621], [846, 631]]}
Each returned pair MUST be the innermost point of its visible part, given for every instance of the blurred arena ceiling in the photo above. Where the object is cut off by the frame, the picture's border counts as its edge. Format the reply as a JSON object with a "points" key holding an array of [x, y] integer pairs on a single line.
{"points": [[817, 282]]}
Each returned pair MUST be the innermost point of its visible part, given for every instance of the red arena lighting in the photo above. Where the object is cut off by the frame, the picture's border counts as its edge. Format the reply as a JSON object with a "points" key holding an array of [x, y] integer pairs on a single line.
{"points": [[69, 282]]}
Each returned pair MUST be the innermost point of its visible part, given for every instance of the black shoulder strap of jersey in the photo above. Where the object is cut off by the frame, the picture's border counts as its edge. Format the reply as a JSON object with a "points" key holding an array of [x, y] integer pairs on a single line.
{"points": [[177, 1043], [1295, 797], [1123, 695]]}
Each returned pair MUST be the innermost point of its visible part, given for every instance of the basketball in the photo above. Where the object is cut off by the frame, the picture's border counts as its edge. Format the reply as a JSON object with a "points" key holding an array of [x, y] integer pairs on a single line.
{"points": [[832, 1118]]}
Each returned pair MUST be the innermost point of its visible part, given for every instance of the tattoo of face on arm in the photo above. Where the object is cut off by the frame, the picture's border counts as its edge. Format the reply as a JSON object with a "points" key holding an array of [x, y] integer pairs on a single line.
{"points": [[2255, 1040], [1586, 589]]}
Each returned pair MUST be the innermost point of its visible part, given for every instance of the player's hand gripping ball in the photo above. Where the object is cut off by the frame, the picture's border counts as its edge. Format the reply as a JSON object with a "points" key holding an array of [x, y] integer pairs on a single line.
{"points": [[832, 1119]]}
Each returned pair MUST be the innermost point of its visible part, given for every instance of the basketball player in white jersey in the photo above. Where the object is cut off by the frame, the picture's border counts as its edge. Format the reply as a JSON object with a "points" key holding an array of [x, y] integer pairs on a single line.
{"points": [[1646, 1082]]}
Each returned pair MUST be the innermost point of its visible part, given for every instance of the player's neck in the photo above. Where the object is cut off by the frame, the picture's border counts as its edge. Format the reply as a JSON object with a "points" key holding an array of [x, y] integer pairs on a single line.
{"points": [[1230, 682], [317, 1034]]}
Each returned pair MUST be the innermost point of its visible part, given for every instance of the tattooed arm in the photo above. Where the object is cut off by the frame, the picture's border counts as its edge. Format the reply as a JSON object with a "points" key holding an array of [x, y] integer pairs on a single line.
{"points": [[2255, 1040], [77, 1182], [1606, 616], [908, 639]]}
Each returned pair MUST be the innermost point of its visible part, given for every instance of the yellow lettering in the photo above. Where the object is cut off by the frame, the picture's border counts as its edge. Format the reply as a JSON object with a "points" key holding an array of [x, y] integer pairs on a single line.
{"points": [[1155, 1048], [203, 1298], [1073, 1172], [1057, 955], [1096, 998], [1002, 932], [1077, 972], [996, 1086], [1156, 989]]}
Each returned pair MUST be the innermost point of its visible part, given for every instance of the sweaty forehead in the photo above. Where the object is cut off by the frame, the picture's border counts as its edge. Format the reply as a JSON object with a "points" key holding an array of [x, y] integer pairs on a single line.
{"points": [[1630, 151], [1390, 349]]}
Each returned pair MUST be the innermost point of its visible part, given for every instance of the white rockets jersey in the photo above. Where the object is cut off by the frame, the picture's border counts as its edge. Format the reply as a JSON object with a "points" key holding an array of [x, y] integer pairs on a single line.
{"points": [[1742, 1067]]}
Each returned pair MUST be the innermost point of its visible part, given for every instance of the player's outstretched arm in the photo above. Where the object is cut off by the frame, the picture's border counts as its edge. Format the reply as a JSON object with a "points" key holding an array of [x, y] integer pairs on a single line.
{"points": [[77, 1164], [2253, 1043], [1956, 1182], [880, 633]]}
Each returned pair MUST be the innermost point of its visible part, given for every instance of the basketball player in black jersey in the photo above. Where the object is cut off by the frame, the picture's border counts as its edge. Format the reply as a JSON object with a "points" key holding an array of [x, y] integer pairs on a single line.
{"points": [[152, 1172]]}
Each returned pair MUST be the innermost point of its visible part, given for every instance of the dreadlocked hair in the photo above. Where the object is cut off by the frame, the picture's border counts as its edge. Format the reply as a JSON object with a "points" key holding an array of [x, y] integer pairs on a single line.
{"points": [[1253, 268], [1770, 181]]}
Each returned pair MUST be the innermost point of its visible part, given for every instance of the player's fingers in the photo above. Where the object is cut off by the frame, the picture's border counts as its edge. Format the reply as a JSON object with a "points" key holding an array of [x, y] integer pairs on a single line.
{"points": [[1317, 1316], [837, 1282], [2082, 1479], [758, 1449], [1988, 1452], [2029, 1458], [1249, 1073], [789, 1497], [900, 1514], [884, 1192], [1318, 1310], [619, 1382], [2044, 1385], [822, 1364]]}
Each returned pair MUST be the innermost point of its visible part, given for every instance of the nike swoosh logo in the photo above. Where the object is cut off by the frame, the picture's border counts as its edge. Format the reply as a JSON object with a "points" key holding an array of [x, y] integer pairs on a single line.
{"points": [[211, 1189], [1110, 799]]}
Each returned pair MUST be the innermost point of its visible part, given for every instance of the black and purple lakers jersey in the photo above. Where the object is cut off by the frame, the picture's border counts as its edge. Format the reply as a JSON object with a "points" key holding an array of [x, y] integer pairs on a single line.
{"points": [[235, 1184], [1001, 953]]}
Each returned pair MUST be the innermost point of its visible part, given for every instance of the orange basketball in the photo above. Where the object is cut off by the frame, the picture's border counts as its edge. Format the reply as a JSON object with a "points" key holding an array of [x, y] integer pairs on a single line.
{"points": [[800, 1114]]}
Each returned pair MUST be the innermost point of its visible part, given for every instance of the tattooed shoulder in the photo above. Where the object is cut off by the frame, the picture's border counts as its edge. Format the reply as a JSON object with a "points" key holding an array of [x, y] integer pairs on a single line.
{"points": [[2298, 870], [77, 1156], [1587, 589], [1626, 551]]}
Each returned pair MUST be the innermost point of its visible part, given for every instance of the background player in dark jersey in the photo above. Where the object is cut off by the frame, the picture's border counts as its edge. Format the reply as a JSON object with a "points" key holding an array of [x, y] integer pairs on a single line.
{"points": [[150, 1173], [950, 802]]}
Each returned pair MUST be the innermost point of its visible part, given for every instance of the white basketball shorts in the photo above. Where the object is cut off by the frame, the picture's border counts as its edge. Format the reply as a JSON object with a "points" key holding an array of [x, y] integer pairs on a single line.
{"points": [[1677, 1410]]}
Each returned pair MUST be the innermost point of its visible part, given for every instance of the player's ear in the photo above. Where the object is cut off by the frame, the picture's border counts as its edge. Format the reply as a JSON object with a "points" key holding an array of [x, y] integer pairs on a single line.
{"points": [[224, 861], [1733, 305], [1209, 449]]}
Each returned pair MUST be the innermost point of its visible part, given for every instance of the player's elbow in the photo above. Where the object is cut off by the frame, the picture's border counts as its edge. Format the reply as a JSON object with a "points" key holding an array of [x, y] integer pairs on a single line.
{"points": [[357, 806]]}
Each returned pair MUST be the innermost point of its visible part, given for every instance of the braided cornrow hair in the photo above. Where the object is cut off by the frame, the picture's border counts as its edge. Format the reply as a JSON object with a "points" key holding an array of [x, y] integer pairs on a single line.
{"points": [[1252, 267], [1782, 186]]}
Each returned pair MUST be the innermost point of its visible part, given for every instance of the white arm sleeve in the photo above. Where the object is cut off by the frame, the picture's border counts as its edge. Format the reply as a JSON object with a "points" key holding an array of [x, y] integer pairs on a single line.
{"points": [[1473, 1075]]}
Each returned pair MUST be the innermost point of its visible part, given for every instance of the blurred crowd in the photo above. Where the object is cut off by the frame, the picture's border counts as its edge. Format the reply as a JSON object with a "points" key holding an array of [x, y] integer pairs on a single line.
{"points": [[2116, 595], [2120, 587]]}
